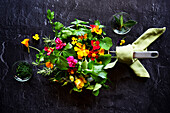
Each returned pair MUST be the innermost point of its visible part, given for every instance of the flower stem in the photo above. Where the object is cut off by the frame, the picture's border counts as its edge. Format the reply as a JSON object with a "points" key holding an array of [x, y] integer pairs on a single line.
{"points": [[34, 48]]}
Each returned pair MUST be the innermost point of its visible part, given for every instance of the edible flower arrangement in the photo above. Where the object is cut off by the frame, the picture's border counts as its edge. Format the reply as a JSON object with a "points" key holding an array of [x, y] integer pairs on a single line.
{"points": [[77, 55]]}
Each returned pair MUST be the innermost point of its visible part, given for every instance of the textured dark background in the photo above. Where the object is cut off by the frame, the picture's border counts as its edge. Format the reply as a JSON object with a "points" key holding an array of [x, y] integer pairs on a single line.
{"points": [[128, 93]]}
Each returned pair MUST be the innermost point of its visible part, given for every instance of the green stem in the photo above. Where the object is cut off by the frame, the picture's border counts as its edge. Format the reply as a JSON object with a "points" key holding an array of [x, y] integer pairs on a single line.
{"points": [[34, 48]]}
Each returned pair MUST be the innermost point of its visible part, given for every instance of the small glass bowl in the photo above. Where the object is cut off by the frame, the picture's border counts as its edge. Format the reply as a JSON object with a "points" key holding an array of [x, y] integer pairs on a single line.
{"points": [[115, 26], [17, 74]]}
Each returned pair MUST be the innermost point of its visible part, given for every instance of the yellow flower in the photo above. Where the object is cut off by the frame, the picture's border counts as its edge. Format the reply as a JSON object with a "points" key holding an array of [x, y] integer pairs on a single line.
{"points": [[49, 65], [80, 82], [122, 41], [101, 51], [71, 78], [36, 37], [74, 40], [25, 42], [100, 62], [81, 50]]}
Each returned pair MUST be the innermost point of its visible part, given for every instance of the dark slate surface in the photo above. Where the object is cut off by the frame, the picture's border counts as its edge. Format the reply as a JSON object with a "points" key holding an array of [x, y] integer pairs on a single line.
{"points": [[128, 93]]}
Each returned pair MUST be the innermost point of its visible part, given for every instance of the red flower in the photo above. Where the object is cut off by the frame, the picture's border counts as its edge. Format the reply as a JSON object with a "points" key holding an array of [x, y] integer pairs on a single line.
{"points": [[95, 44], [93, 54], [49, 50]]}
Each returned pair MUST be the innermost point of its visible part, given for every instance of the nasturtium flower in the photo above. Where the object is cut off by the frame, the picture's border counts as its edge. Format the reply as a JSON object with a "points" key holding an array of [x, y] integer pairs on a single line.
{"points": [[49, 50], [71, 61], [36, 37], [93, 54], [81, 50], [82, 37], [80, 82], [49, 65], [95, 44], [101, 51], [122, 42], [95, 28], [59, 43], [25, 42], [74, 40]]}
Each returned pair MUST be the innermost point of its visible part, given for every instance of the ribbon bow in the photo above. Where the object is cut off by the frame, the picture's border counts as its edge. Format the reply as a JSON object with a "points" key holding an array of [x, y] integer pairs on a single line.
{"points": [[125, 53]]}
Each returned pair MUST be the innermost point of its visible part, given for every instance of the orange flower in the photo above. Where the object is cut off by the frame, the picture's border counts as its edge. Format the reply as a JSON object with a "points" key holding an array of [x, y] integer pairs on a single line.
{"points": [[25, 42], [95, 28], [80, 82], [49, 65], [83, 37], [101, 51]]}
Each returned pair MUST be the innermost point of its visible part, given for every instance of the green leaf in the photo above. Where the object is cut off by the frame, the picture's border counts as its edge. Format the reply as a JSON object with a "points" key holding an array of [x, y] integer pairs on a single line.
{"points": [[50, 15], [121, 20], [105, 58], [96, 93], [41, 58], [97, 87], [58, 25], [80, 32], [37, 56], [90, 64], [77, 90], [97, 22], [111, 65], [84, 64], [62, 63], [106, 86], [130, 23], [117, 20], [65, 83], [97, 68], [34, 63], [102, 74], [64, 36], [101, 26], [66, 33], [104, 33], [106, 43], [79, 21], [53, 58], [69, 52], [91, 87], [68, 46]]}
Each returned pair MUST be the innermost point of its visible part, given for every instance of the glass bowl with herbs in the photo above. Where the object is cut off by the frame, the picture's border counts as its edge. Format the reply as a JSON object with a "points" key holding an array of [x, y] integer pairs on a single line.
{"points": [[122, 23], [22, 71]]}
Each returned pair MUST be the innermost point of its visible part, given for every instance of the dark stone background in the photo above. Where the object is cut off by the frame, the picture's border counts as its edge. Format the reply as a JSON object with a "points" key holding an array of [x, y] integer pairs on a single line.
{"points": [[128, 93]]}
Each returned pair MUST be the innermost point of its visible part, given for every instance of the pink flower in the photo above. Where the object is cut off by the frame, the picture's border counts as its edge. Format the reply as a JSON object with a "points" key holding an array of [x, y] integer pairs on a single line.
{"points": [[71, 61], [49, 50], [59, 44]]}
